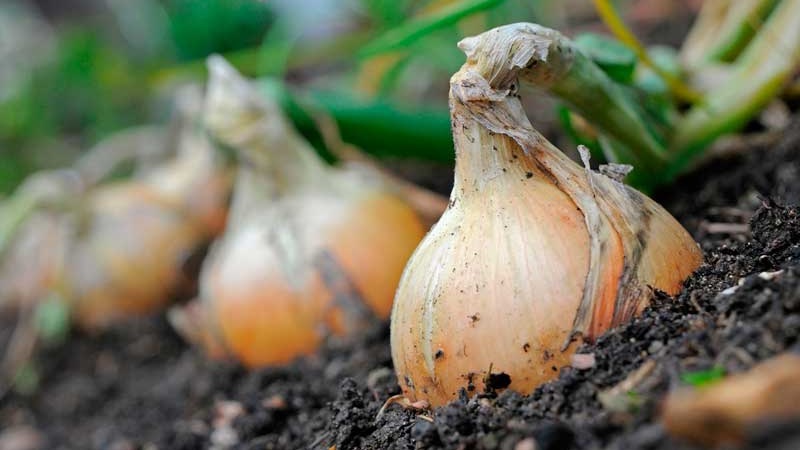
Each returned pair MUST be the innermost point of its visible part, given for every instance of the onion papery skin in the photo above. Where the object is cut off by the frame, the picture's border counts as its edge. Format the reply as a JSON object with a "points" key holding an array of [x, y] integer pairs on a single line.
{"points": [[126, 254], [196, 181], [487, 284], [310, 250], [535, 253], [31, 266], [329, 265]]}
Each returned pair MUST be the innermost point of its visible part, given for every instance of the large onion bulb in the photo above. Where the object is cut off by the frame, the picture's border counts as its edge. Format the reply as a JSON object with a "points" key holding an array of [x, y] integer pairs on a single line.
{"points": [[534, 250]]}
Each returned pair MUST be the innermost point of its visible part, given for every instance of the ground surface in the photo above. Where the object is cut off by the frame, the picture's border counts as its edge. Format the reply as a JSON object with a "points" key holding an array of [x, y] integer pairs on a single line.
{"points": [[140, 386]]}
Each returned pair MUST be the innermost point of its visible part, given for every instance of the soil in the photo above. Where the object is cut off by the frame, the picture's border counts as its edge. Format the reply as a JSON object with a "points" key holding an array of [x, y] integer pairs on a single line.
{"points": [[140, 386]]}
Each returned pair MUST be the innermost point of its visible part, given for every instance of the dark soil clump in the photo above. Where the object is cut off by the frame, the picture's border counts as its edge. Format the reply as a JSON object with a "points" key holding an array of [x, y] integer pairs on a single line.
{"points": [[139, 386]]}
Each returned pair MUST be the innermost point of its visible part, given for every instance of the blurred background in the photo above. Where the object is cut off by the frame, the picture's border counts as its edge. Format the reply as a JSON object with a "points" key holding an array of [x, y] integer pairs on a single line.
{"points": [[75, 71]]}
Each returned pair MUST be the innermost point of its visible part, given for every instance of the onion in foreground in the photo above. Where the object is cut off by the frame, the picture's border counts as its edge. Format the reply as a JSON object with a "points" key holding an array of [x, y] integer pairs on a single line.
{"points": [[534, 250]]}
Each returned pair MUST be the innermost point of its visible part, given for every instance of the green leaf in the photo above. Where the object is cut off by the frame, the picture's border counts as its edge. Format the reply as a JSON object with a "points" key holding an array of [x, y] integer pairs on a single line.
{"points": [[202, 27], [276, 49], [407, 33], [615, 58], [667, 60], [704, 377], [386, 12]]}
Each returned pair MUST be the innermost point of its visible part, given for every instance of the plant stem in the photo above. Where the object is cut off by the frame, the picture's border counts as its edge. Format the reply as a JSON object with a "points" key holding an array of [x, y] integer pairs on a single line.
{"points": [[759, 74], [134, 144], [263, 137], [723, 28], [567, 73]]}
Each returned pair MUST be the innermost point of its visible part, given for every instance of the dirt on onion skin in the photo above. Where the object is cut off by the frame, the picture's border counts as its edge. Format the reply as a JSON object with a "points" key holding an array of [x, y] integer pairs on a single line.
{"points": [[139, 386]]}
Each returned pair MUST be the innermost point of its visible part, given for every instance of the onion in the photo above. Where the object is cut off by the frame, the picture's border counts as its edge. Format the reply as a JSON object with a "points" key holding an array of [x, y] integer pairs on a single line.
{"points": [[117, 249], [126, 254], [534, 254], [310, 250]]}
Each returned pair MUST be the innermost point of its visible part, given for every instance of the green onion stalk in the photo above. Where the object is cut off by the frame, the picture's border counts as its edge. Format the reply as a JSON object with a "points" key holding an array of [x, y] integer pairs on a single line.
{"points": [[762, 61]]}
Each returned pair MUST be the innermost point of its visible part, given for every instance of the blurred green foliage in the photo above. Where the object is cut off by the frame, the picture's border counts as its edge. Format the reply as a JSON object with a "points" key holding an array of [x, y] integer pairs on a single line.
{"points": [[89, 89], [616, 60], [97, 83], [402, 36], [704, 377], [201, 27], [382, 74]]}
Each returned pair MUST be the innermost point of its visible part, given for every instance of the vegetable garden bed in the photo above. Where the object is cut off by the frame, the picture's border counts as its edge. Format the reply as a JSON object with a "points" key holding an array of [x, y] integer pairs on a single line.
{"points": [[140, 386]]}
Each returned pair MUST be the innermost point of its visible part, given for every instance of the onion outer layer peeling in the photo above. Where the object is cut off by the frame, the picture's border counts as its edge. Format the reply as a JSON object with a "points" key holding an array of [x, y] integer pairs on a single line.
{"points": [[534, 251]]}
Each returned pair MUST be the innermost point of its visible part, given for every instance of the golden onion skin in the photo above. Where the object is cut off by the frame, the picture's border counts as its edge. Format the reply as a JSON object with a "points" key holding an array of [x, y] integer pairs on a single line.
{"points": [[31, 265], [347, 257], [126, 256], [534, 253], [310, 250], [487, 285], [195, 180]]}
